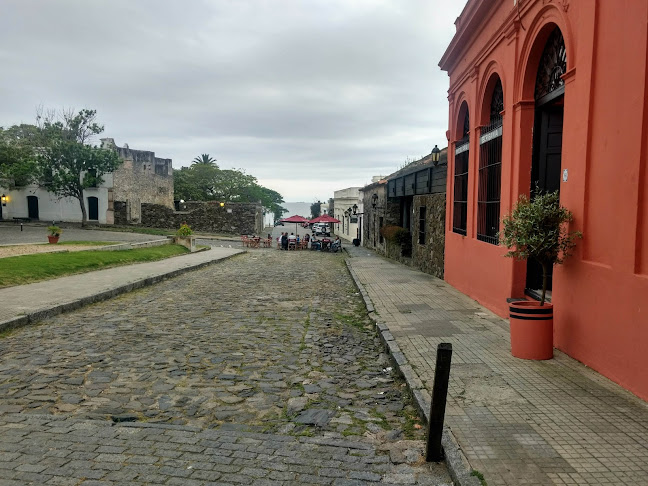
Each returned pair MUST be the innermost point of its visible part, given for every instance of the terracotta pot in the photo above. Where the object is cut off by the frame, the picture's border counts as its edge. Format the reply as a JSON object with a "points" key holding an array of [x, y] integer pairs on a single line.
{"points": [[52, 239], [531, 330]]}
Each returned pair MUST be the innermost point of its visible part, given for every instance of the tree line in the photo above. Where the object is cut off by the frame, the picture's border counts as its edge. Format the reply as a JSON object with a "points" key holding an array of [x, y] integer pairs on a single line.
{"points": [[57, 152], [203, 180]]}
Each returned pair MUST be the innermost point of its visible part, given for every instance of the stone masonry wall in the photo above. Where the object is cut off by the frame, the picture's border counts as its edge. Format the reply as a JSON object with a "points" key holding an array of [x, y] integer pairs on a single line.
{"points": [[430, 257], [208, 217], [141, 178]]}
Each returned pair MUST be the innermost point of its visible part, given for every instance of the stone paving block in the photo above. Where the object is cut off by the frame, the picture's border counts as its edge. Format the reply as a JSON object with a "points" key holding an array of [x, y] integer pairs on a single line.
{"points": [[197, 435]]}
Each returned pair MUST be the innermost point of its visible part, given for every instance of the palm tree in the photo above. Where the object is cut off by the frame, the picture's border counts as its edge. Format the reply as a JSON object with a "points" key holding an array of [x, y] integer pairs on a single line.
{"points": [[204, 159]]}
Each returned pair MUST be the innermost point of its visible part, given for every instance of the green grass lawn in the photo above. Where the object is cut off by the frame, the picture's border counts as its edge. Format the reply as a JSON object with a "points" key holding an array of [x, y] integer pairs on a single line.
{"points": [[24, 269]]}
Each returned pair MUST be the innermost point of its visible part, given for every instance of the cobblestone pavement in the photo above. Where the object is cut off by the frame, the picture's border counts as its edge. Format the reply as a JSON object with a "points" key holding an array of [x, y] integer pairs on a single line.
{"points": [[263, 369]]}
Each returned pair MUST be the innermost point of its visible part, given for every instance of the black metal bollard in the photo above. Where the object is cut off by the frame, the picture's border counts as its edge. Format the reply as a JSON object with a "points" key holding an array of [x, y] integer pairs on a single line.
{"points": [[434, 452], [20, 226]]}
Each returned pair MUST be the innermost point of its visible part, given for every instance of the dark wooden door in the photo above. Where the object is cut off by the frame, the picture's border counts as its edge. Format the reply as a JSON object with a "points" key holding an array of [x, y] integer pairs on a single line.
{"points": [[545, 170], [93, 208], [32, 207]]}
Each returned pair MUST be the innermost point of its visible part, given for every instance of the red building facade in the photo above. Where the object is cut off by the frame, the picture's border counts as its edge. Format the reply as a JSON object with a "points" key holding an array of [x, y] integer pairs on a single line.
{"points": [[554, 94]]}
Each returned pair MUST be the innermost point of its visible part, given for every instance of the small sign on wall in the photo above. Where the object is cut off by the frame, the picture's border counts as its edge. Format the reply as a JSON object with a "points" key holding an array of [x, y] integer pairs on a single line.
{"points": [[565, 174]]}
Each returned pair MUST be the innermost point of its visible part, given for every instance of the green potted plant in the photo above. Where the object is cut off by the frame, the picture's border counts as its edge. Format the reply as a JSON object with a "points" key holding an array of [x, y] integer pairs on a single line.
{"points": [[54, 233], [184, 236], [536, 229]]}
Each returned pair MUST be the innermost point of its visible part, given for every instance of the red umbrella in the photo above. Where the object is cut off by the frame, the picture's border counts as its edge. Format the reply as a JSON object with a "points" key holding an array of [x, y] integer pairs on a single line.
{"points": [[295, 219], [324, 218]]}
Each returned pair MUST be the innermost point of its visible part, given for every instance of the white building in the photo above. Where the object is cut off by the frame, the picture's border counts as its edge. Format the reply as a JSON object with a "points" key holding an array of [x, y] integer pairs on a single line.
{"points": [[347, 207], [141, 178]]}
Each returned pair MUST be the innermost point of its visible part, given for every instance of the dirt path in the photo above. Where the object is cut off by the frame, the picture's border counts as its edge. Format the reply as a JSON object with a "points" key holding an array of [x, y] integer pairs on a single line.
{"points": [[16, 250]]}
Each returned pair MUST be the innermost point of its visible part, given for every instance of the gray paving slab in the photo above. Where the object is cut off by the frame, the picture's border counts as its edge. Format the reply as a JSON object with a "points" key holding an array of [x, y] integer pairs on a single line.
{"points": [[516, 421]]}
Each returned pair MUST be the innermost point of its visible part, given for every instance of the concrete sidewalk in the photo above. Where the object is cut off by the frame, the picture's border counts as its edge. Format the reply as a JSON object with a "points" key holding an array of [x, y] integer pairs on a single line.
{"points": [[24, 304], [517, 421]]}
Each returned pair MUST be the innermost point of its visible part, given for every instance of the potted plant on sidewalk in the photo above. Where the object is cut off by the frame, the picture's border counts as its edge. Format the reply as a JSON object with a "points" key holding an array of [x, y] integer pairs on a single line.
{"points": [[184, 236], [536, 229], [54, 234]]}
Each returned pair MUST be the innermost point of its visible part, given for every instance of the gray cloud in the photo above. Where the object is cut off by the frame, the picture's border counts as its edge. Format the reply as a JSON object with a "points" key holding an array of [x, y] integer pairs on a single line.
{"points": [[291, 91]]}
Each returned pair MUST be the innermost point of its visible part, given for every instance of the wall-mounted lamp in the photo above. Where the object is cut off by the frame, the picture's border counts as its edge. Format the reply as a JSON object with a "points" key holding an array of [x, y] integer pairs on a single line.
{"points": [[436, 153], [374, 200], [222, 205], [355, 209], [4, 200]]}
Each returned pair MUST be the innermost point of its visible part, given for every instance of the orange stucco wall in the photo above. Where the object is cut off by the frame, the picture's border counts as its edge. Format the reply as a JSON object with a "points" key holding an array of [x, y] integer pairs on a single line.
{"points": [[600, 295]]}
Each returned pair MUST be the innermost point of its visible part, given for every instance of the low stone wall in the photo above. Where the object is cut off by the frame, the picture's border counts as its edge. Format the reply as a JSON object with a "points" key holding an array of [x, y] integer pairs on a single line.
{"points": [[207, 217]]}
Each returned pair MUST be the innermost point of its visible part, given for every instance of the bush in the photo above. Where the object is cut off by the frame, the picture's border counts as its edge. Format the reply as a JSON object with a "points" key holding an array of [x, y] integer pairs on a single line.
{"points": [[54, 230], [396, 234], [184, 230], [536, 229]]}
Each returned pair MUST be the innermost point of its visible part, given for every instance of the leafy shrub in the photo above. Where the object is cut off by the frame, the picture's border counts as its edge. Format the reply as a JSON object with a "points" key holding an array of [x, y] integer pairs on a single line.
{"points": [[54, 230], [396, 234], [536, 230], [184, 230]]}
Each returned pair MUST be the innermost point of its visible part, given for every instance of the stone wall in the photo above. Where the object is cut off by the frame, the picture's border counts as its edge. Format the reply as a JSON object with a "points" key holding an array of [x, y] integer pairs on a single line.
{"points": [[208, 217], [429, 257], [141, 178]]}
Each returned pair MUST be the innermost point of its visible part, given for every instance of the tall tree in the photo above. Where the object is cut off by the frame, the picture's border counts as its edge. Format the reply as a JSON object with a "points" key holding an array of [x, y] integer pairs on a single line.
{"points": [[68, 164], [316, 209], [18, 153], [205, 159]]}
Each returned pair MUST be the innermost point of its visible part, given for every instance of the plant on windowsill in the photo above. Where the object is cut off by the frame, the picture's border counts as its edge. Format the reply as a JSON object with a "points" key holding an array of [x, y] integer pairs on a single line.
{"points": [[54, 234], [536, 229]]}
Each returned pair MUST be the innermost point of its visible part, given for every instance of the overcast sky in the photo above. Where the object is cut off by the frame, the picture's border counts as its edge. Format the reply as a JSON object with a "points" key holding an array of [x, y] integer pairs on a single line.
{"points": [[308, 96]]}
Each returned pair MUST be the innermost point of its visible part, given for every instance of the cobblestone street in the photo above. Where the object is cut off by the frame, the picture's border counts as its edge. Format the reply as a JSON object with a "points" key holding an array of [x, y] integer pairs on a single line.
{"points": [[263, 369]]}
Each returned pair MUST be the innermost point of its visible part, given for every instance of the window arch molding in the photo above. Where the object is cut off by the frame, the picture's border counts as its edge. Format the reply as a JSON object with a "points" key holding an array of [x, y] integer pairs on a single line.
{"points": [[492, 74], [543, 24], [462, 109]]}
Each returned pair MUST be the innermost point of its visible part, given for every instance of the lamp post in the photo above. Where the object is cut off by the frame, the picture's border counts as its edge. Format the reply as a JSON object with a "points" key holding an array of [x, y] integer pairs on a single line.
{"points": [[435, 155]]}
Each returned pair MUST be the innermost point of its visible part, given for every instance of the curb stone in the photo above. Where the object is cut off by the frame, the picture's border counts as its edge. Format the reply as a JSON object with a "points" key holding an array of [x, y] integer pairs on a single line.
{"points": [[456, 461], [41, 314]]}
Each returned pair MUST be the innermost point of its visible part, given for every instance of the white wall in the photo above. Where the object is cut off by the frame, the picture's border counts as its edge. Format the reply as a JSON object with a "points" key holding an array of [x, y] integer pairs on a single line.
{"points": [[51, 208]]}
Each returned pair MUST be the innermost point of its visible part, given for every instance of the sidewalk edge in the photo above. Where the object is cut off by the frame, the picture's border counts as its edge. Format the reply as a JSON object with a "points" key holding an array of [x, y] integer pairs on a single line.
{"points": [[456, 461], [40, 314]]}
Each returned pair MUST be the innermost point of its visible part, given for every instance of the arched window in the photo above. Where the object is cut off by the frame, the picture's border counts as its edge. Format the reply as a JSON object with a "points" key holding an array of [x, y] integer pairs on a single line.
{"points": [[460, 203], [553, 64], [490, 169]]}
